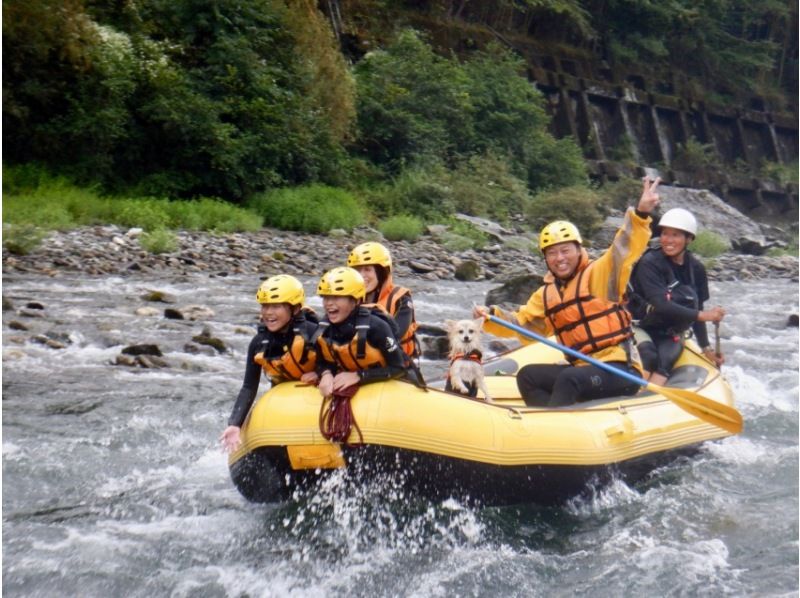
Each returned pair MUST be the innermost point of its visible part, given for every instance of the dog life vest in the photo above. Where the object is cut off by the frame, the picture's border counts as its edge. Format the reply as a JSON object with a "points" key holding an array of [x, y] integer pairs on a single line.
{"points": [[473, 355], [356, 354], [389, 299], [299, 358], [581, 321]]}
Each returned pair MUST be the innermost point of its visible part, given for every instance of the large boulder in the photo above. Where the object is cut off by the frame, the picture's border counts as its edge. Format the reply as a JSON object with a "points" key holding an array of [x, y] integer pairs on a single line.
{"points": [[515, 291], [468, 270], [712, 213], [488, 227]]}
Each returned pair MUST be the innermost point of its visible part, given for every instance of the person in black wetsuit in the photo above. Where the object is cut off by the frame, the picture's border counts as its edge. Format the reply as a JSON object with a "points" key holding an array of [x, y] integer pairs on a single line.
{"points": [[374, 262], [356, 345], [669, 288], [282, 348]]}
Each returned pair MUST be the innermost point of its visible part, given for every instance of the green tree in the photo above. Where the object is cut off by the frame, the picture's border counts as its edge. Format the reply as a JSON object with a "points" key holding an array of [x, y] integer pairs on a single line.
{"points": [[731, 45], [204, 97], [415, 106], [412, 104]]}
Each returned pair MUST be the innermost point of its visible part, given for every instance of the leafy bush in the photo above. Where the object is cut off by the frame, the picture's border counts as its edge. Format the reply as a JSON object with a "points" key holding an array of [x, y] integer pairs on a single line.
{"points": [[484, 185], [211, 214], [222, 98], [693, 155], [24, 178], [401, 228], [21, 239], [159, 240], [312, 209], [415, 106], [454, 242], [420, 191], [709, 244], [577, 204], [619, 194], [34, 197], [462, 235], [48, 202], [792, 250], [783, 174], [148, 214]]}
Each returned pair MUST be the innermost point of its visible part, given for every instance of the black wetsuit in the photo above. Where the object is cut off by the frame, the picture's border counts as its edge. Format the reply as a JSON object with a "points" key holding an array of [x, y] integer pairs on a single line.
{"points": [[274, 345], [666, 313], [379, 335]]}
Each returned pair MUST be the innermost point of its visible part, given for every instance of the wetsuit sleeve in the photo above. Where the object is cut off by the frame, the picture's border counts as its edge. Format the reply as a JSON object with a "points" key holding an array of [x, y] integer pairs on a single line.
{"points": [[701, 282], [404, 314], [530, 316], [381, 337], [252, 376], [651, 283], [612, 270], [701, 333]]}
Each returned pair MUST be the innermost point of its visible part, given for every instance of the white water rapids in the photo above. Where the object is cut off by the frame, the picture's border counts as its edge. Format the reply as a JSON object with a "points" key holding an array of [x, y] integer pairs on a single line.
{"points": [[114, 484]]}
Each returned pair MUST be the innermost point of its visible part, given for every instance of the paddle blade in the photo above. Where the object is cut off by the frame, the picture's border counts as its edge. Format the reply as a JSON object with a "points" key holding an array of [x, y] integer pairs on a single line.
{"points": [[703, 408]]}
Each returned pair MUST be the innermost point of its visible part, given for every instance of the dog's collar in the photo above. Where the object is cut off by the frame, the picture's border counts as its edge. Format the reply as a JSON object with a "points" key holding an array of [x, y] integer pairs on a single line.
{"points": [[473, 355]]}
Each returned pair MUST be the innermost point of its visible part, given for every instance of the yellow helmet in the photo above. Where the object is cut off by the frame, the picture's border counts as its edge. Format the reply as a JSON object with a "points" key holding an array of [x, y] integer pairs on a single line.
{"points": [[281, 289], [559, 231], [342, 282], [370, 254]]}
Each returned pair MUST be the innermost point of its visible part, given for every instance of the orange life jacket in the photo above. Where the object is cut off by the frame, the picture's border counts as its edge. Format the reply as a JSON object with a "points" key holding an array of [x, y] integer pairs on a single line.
{"points": [[473, 355], [581, 321], [296, 360], [357, 354], [389, 299]]}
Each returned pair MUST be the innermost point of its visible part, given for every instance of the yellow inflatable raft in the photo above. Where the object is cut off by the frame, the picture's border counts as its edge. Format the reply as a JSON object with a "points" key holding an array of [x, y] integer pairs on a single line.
{"points": [[444, 444]]}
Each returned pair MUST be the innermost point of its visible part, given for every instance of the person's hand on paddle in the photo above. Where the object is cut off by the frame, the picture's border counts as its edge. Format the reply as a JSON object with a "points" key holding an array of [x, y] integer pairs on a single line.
{"points": [[649, 199], [231, 438], [715, 314], [480, 311], [344, 380], [713, 356]]}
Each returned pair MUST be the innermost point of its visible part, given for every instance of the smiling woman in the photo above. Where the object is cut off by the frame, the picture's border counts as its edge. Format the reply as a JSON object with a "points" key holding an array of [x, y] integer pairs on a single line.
{"points": [[357, 345], [282, 348], [670, 287]]}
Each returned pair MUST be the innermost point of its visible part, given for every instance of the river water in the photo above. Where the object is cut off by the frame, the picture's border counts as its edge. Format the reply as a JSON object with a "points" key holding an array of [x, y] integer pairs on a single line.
{"points": [[114, 484]]}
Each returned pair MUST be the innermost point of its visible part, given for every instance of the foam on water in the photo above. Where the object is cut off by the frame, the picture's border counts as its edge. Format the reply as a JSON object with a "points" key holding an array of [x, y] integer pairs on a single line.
{"points": [[744, 451], [125, 470]]}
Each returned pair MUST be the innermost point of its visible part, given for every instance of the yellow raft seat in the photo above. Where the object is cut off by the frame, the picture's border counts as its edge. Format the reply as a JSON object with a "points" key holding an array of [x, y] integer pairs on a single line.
{"points": [[445, 444]]}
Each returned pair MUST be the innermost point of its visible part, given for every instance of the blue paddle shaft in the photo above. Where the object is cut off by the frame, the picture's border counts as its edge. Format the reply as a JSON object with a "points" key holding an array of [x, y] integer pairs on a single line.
{"points": [[577, 354]]}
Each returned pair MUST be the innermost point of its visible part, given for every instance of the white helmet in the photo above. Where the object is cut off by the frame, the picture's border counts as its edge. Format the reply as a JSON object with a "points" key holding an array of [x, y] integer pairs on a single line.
{"points": [[680, 219]]}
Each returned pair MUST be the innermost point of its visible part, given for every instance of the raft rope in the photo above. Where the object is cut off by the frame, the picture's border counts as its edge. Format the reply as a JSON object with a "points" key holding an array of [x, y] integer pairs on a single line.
{"points": [[336, 419]]}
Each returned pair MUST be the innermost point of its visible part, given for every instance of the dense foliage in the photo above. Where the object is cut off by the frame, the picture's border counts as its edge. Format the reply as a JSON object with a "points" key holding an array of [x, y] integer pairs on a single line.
{"points": [[254, 102], [728, 48], [205, 97]]}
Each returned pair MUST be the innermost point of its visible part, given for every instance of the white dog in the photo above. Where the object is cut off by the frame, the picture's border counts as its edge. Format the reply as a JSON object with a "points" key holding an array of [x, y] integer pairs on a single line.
{"points": [[466, 367]]}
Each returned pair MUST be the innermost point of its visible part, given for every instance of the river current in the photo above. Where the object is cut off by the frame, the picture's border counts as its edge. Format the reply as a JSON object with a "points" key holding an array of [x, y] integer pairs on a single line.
{"points": [[114, 483]]}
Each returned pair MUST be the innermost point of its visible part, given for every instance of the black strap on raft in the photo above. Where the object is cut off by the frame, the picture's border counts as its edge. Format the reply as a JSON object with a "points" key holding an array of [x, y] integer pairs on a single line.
{"points": [[321, 328], [414, 373], [301, 328], [362, 327]]}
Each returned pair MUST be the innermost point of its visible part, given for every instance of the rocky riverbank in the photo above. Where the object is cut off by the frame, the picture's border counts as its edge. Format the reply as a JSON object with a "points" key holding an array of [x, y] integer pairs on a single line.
{"points": [[109, 250]]}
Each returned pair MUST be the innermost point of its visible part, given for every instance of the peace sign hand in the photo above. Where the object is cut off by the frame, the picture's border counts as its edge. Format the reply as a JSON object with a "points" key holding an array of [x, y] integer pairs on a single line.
{"points": [[649, 199]]}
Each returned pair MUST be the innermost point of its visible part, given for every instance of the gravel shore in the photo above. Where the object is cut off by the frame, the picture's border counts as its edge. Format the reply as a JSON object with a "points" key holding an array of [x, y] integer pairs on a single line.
{"points": [[105, 250]]}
